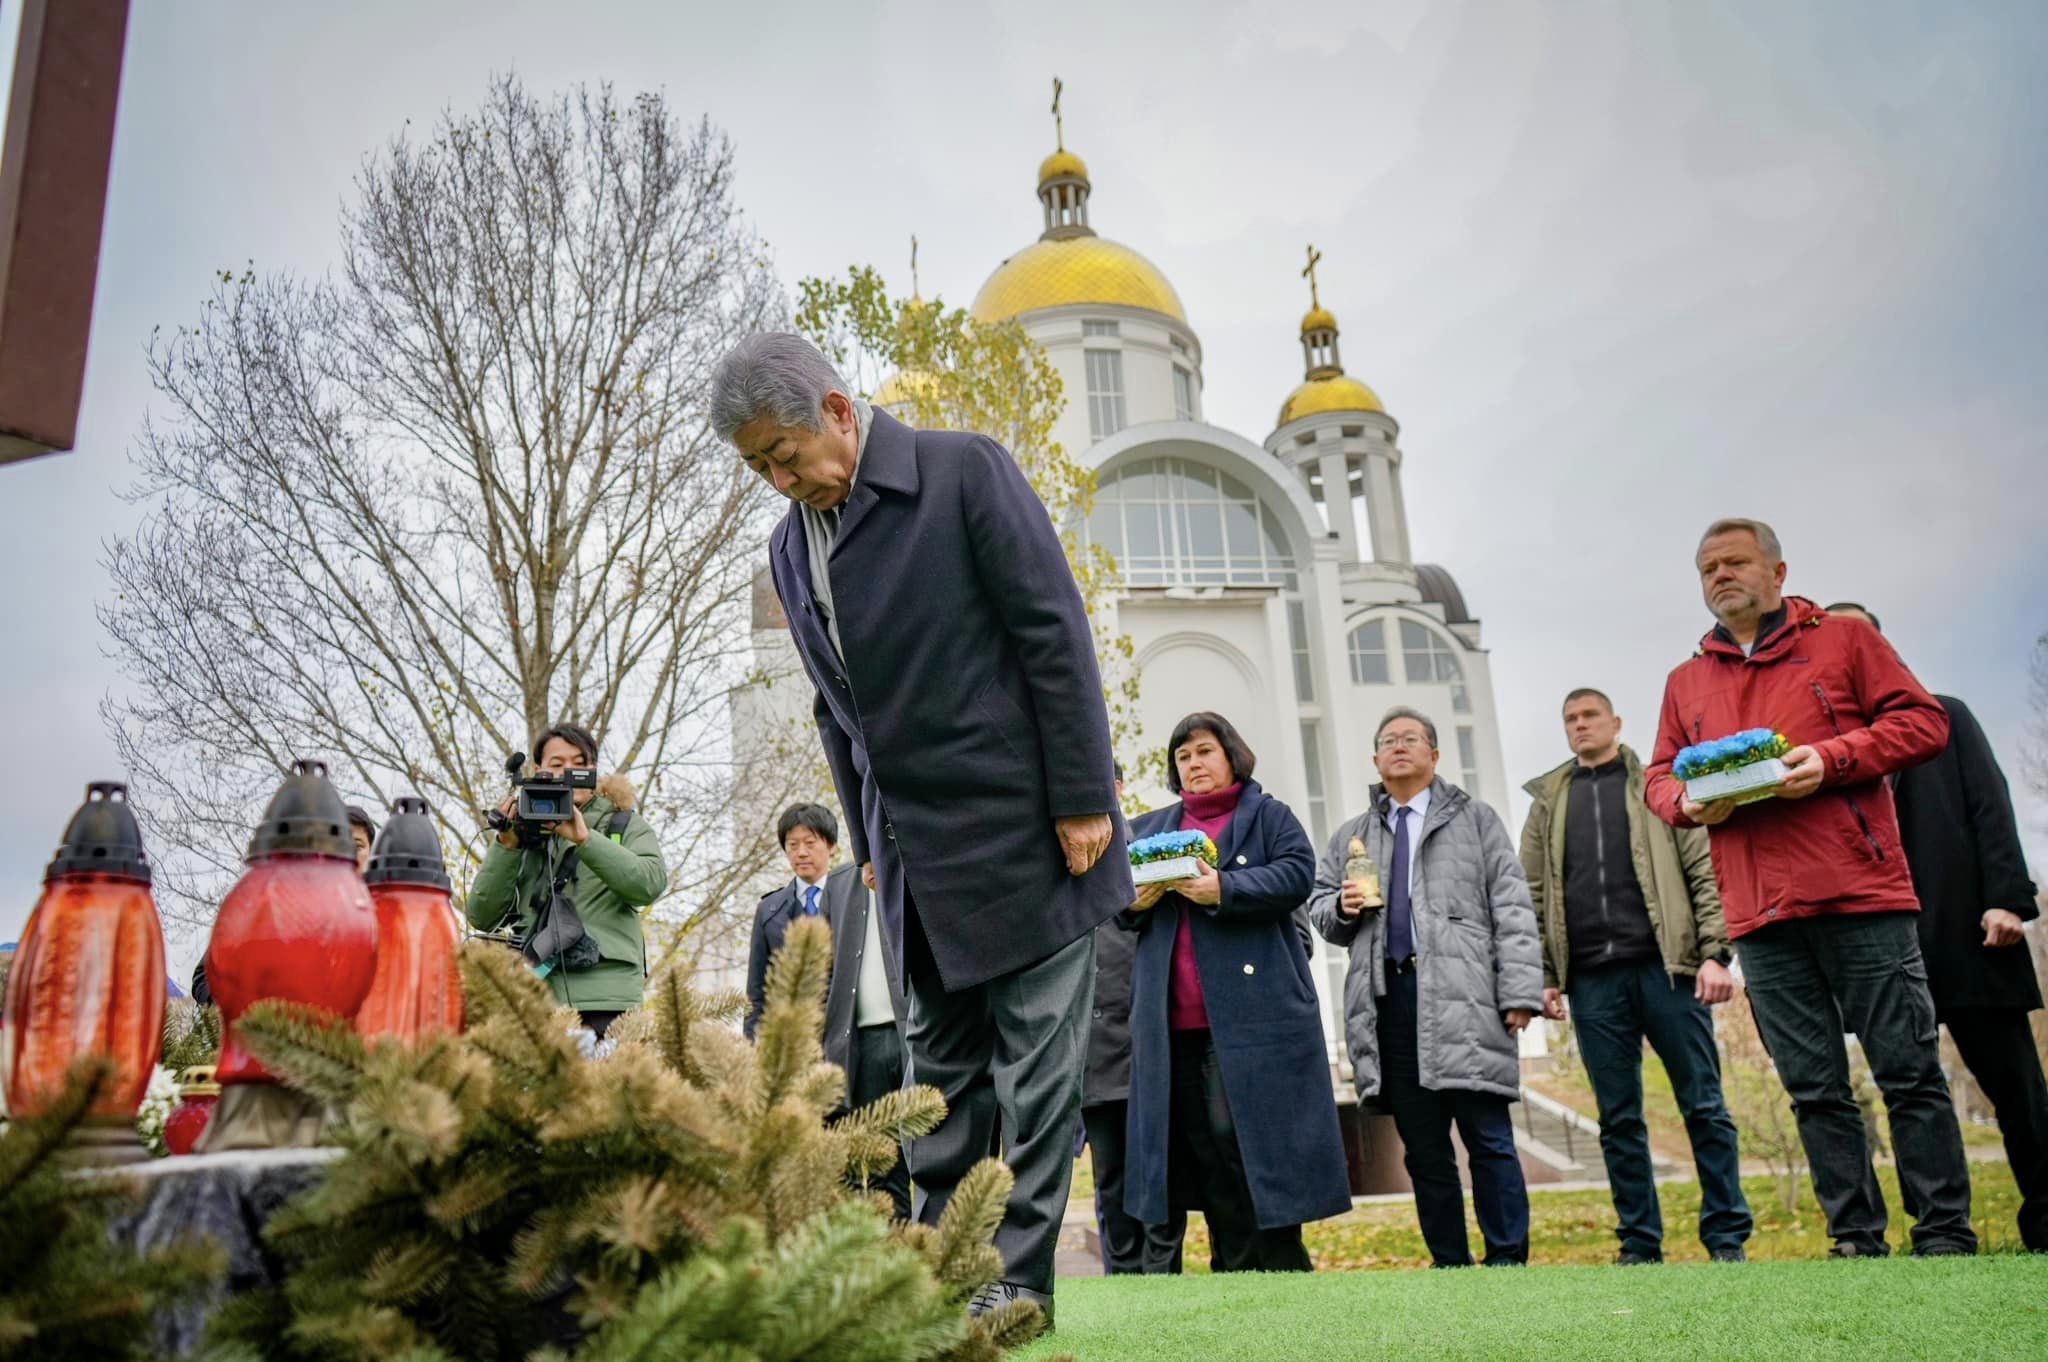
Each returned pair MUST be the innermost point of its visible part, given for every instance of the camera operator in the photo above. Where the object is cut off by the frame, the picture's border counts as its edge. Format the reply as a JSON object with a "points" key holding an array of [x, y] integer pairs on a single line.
{"points": [[574, 890]]}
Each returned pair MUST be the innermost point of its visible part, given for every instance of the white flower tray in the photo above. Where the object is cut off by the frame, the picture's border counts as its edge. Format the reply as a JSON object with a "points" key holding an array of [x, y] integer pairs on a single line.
{"points": [[1179, 868], [1744, 784]]}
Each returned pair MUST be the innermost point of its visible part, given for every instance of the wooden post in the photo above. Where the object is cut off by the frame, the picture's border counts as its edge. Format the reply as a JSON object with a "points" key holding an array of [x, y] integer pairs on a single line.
{"points": [[57, 144]]}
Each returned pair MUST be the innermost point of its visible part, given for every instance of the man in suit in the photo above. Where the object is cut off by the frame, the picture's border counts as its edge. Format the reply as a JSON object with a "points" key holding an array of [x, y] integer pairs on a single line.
{"points": [[864, 1002], [962, 714], [1970, 872]]}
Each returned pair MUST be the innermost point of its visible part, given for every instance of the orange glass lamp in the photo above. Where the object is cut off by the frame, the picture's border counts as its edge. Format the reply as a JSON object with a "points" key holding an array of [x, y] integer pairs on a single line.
{"points": [[298, 926], [88, 978], [417, 991]]}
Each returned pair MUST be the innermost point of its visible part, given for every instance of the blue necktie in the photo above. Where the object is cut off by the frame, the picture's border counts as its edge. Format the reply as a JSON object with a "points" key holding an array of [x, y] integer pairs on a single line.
{"points": [[811, 901], [1400, 914]]}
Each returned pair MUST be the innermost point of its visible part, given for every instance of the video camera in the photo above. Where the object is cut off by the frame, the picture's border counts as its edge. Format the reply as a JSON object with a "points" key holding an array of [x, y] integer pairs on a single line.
{"points": [[545, 797]]}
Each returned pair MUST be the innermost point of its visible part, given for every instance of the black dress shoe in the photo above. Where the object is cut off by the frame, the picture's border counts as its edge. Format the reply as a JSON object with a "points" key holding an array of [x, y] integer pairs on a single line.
{"points": [[1628, 1259], [1728, 1255], [1849, 1248], [1946, 1249], [998, 1294]]}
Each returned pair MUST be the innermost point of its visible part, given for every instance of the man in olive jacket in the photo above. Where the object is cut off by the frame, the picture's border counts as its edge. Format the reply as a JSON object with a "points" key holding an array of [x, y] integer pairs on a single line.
{"points": [[616, 873], [1633, 934]]}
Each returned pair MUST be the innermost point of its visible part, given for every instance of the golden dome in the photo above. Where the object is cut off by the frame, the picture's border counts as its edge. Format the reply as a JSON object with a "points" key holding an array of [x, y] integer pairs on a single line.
{"points": [[902, 387], [1080, 269], [1062, 164], [1318, 319], [1336, 393]]}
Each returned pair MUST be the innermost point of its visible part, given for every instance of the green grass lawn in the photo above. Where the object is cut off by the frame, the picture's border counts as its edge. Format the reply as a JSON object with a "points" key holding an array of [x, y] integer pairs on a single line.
{"points": [[1991, 1307], [1576, 1229]]}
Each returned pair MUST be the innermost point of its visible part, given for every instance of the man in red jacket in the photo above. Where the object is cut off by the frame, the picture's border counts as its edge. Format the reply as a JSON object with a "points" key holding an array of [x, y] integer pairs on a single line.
{"points": [[1814, 883]]}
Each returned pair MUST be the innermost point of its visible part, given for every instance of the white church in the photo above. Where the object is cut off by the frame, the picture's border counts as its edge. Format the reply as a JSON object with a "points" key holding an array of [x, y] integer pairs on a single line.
{"points": [[1269, 579]]}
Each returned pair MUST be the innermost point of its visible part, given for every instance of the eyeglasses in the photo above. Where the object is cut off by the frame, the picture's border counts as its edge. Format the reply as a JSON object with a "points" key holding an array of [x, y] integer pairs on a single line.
{"points": [[1398, 741]]}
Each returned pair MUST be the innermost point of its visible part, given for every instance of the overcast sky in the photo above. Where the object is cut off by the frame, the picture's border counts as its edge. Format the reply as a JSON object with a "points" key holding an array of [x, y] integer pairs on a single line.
{"points": [[1616, 269]]}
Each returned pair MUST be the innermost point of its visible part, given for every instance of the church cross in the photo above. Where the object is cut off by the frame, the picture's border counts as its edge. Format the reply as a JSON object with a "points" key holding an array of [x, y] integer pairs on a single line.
{"points": [[1315, 257], [1059, 127], [914, 291]]}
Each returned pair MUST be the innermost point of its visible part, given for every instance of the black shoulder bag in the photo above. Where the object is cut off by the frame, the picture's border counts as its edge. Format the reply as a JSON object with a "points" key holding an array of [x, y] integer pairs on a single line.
{"points": [[558, 935]]}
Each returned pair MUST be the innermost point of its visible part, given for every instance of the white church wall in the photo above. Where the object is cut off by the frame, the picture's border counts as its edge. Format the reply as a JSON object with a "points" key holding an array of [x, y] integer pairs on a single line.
{"points": [[1195, 654]]}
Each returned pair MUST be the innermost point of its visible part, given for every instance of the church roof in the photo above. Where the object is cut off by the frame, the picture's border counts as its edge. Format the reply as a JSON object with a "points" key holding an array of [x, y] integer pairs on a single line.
{"points": [[1062, 164], [1078, 269], [1335, 392], [1439, 586], [1069, 264], [1325, 387]]}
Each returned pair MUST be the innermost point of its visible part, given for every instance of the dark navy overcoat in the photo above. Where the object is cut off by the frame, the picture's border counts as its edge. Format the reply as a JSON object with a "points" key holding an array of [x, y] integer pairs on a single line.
{"points": [[969, 712], [1263, 1016]]}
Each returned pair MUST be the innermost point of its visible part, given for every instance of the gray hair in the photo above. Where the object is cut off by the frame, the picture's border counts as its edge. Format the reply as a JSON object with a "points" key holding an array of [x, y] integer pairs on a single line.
{"points": [[1406, 712], [776, 374], [1766, 537]]}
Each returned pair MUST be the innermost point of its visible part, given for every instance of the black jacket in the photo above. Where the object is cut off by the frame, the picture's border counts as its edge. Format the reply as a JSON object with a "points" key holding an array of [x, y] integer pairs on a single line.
{"points": [[968, 714], [1108, 1076], [844, 906], [1956, 822]]}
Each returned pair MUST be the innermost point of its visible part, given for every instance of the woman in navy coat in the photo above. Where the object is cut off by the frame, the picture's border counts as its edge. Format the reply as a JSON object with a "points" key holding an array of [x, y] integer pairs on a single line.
{"points": [[1231, 1108]]}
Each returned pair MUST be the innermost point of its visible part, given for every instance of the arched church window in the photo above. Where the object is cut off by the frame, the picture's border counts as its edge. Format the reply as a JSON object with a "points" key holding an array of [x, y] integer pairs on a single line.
{"points": [[1431, 660], [1369, 662], [1175, 522]]}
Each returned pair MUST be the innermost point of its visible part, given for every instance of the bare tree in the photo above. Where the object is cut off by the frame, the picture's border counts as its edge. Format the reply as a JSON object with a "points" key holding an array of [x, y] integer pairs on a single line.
{"points": [[405, 516], [1757, 1099]]}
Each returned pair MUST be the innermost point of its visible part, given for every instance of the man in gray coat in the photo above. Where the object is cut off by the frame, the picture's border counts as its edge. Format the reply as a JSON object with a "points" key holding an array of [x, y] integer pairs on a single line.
{"points": [[1445, 973]]}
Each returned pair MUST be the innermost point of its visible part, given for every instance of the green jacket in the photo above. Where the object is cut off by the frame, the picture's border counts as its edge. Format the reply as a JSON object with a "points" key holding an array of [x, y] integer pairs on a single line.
{"points": [[1673, 867], [615, 882]]}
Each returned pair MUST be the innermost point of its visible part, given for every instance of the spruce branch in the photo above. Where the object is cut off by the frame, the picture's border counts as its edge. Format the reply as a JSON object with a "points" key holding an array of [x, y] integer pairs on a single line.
{"points": [[25, 1154], [311, 1049], [967, 1225]]}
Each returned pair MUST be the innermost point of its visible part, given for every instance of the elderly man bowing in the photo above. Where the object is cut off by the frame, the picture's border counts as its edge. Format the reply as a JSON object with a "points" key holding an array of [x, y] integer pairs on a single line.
{"points": [[962, 714]]}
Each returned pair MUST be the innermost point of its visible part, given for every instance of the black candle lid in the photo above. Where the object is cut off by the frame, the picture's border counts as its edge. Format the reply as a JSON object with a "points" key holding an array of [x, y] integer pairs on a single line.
{"points": [[103, 837], [408, 851], [306, 814]]}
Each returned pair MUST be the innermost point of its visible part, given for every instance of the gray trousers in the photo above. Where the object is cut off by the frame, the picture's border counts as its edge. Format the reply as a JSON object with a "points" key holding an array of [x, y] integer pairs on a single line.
{"points": [[1007, 1055]]}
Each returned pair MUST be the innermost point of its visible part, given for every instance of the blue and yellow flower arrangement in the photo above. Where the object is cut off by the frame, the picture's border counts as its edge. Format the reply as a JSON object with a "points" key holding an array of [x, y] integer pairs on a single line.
{"points": [[1745, 766]]}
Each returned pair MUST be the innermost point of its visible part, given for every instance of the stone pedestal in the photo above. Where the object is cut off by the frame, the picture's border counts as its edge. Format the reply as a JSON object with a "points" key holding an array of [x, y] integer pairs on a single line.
{"points": [[227, 1198]]}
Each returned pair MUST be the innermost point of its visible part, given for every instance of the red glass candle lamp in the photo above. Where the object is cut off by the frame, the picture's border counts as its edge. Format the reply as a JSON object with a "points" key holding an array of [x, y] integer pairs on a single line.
{"points": [[417, 991], [298, 925], [88, 978], [197, 1096]]}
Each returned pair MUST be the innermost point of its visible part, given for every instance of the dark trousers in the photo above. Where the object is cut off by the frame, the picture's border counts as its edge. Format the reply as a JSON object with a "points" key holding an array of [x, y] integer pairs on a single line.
{"points": [[1997, 1045], [1206, 1167], [1813, 978], [1013, 1047], [1614, 1009], [599, 1022], [878, 1070], [1129, 1245], [1500, 1199]]}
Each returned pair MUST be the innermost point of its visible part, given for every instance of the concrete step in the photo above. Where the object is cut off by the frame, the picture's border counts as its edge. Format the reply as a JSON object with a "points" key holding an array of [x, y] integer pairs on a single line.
{"points": [[1565, 1139]]}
